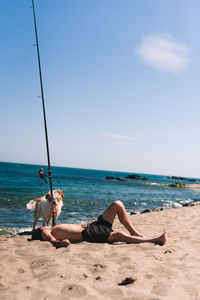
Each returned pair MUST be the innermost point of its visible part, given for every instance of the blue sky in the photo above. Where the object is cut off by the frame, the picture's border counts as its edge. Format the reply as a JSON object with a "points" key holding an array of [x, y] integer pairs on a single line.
{"points": [[121, 84]]}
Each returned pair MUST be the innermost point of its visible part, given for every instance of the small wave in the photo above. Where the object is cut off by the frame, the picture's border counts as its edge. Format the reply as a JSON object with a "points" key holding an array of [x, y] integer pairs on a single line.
{"points": [[186, 201], [172, 204], [13, 230]]}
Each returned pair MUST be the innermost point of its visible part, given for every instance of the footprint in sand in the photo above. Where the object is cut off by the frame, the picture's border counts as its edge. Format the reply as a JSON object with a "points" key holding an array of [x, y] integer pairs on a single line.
{"points": [[98, 267], [43, 268], [149, 275], [161, 288], [125, 267], [191, 291], [2, 287], [23, 253], [40, 262], [20, 270], [167, 272], [74, 290], [113, 293]]}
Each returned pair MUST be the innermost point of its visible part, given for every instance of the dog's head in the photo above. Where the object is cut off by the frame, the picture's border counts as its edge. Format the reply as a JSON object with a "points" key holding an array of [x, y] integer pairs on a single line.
{"points": [[57, 198]]}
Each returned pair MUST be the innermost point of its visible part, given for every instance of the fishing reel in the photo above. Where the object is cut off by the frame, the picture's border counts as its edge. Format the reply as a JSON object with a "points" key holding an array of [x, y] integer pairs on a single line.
{"points": [[42, 174]]}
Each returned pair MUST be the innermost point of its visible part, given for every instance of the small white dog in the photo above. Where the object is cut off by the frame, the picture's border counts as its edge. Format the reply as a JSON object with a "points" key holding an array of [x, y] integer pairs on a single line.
{"points": [[43, 207]]}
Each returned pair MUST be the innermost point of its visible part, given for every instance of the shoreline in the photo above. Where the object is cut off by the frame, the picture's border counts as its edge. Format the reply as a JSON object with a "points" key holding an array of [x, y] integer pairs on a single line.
{"points": [[36, 270], [18, 230]]}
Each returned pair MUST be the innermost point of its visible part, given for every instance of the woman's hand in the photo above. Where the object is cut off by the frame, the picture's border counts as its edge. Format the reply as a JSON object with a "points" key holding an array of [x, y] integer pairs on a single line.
{"points": [[137, 234], [59, 244]]}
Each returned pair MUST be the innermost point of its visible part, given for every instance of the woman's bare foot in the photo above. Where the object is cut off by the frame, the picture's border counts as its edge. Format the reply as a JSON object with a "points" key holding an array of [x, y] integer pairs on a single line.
{"points": [[161, 240]]}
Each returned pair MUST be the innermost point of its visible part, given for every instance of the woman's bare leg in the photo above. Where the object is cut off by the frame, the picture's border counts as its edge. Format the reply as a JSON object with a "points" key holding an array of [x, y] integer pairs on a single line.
{"points": [[117, 208], [122, 237]]}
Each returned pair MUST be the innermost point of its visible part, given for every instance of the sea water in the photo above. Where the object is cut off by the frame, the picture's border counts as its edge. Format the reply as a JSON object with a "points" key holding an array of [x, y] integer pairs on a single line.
{"points": [[87, 193]]}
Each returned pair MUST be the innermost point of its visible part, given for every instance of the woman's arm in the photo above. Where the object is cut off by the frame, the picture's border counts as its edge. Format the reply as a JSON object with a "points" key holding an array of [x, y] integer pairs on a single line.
{"points": [[47, 236]]}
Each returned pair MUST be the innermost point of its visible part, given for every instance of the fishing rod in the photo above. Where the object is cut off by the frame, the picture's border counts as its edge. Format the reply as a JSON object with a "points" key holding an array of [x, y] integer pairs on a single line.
{"points": [[41, 171]]}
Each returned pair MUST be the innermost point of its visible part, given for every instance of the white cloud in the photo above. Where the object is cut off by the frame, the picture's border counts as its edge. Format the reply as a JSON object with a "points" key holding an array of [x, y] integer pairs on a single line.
{"points": [[164, 53], [116, 136]]}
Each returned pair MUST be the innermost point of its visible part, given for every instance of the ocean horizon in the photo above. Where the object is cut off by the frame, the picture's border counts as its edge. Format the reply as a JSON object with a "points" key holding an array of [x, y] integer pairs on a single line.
{"points": [[87, 193]]}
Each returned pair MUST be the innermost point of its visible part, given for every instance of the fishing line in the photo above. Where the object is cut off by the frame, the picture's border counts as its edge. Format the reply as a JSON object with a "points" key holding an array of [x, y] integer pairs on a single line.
{"points": [[41, 171]]}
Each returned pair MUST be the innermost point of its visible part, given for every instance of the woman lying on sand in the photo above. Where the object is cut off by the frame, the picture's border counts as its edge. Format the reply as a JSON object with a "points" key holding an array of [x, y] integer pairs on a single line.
{"points": [[99, 231]]}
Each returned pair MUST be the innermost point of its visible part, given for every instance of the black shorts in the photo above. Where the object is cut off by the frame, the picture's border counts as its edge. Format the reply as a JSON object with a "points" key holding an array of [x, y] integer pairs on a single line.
{"points": [[97, 231]]}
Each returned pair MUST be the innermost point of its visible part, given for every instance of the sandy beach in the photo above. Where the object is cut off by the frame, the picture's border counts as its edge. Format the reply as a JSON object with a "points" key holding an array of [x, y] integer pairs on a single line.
{"points": [[36, 270], [193, 186]]}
